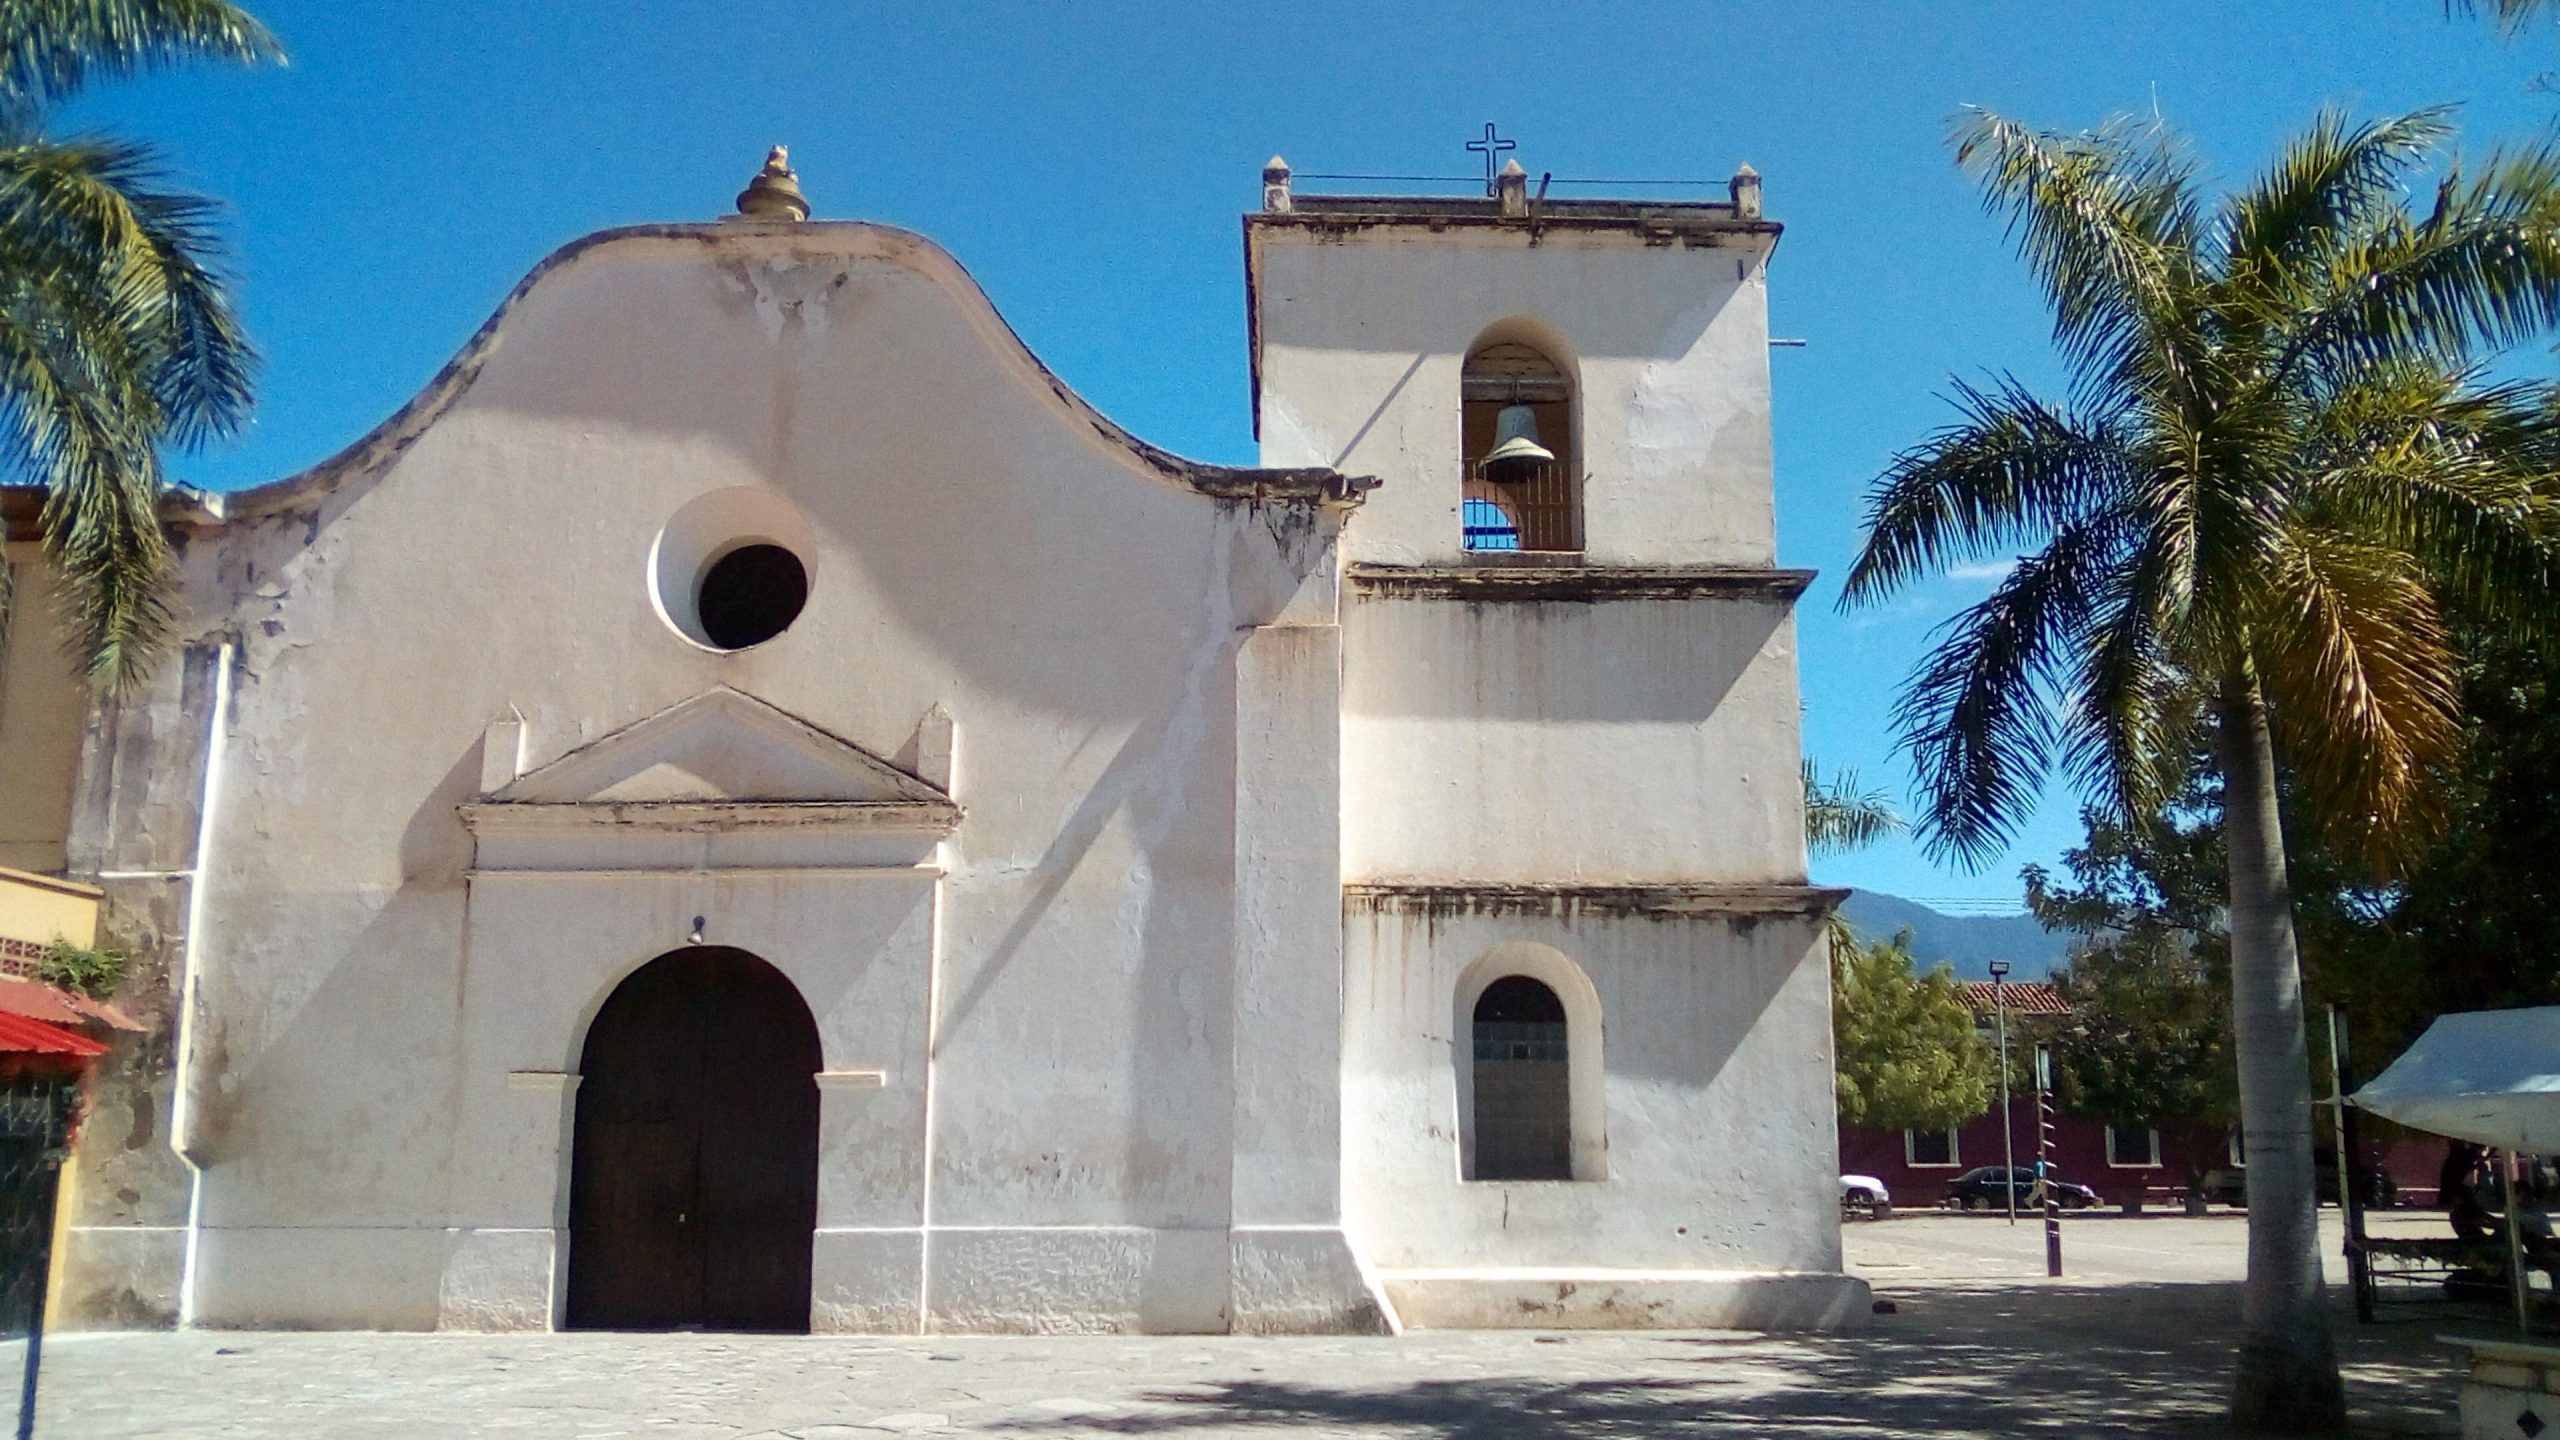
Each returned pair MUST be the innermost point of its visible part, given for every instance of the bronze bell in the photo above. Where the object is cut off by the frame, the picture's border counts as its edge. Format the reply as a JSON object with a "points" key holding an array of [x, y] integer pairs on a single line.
{"points": [[775, 192]]}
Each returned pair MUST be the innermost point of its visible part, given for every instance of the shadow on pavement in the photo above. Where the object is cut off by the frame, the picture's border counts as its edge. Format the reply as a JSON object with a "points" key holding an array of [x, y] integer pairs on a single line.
{"points": [[2130, 1360]]}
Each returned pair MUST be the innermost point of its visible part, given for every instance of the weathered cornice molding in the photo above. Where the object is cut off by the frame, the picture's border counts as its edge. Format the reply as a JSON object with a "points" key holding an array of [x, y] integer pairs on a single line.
{"points": [[1565, 901], [1569, 584], [699, 816]]}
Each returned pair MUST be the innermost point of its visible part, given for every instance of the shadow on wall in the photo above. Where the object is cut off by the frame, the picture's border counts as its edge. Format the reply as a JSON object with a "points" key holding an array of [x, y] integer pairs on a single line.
{"points": [[1650, 1003], [1662, 662]]}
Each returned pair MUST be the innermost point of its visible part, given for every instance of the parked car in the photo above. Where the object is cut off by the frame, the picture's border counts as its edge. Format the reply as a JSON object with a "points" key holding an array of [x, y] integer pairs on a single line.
{"points": [[2229, 1184], [1863, 1197], [1985, 1188]]}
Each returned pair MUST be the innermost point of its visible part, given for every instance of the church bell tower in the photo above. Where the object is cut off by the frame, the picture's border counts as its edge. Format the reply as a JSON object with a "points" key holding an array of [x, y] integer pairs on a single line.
{"points": [[1586, 1037]]}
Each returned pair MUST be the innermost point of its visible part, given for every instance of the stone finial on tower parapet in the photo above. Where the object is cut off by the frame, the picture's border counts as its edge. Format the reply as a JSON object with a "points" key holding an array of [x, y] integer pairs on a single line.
{"points": [[1511, 188], [1275, 186], [775, 192], [1745, 189]]}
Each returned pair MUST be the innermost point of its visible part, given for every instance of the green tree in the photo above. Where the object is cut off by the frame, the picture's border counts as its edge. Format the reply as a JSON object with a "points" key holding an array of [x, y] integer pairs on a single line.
{"points": [[2149, 1038], [1909, 1053], [2277, 461], [116, 337], [2470, 924]]}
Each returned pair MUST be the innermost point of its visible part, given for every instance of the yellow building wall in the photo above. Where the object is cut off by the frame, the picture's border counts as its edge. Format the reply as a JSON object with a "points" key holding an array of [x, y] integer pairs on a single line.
{"points": [[43, 705], [38, 910]]}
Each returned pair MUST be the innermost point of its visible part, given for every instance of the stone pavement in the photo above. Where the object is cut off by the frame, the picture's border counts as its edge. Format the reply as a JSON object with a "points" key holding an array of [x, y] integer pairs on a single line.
{"points": [[2137, 1342]]}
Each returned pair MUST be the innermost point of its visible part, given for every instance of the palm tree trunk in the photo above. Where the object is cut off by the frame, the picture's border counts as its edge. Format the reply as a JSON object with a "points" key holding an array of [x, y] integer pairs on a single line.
{"points": [[2288, 1378]]}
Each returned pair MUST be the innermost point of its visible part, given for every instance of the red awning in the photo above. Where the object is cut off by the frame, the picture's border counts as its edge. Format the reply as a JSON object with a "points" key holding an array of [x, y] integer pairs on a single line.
{"points": [[20, 1035]]}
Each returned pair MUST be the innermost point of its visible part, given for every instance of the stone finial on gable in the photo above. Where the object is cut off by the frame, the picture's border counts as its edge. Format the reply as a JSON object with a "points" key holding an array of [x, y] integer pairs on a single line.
{"points": [[1511, 188], [1745, 189], [1275, 186], [775, 192]]}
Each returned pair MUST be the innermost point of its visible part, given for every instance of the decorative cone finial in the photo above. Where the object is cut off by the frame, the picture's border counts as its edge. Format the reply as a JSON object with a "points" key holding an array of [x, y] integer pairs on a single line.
{"points": [[775, 192]]}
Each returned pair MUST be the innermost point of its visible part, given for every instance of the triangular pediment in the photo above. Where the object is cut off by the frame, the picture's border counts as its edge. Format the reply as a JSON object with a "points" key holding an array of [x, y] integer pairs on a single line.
{"points": [[720, 748]]}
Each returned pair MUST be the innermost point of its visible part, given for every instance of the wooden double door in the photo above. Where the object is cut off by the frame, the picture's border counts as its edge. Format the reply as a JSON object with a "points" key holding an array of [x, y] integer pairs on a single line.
{"points": [[693, 1178]]}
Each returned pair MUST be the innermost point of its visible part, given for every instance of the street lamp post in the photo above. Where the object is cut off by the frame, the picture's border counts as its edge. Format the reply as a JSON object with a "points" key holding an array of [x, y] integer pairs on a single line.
{"points": [[2008, 1142]]}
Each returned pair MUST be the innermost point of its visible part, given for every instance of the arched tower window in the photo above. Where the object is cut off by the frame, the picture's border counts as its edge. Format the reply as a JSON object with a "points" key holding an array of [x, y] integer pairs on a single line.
{"points": [[1523, 1083], [1523, 489]]}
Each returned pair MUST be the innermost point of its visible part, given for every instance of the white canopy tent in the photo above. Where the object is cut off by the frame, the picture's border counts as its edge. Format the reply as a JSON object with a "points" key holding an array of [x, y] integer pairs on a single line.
{"points": [[2488, 1076]]}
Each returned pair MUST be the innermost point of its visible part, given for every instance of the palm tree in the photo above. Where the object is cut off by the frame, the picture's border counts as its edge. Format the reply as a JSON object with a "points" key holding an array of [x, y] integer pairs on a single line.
{"points": [[115, 334], [2276, 476]]}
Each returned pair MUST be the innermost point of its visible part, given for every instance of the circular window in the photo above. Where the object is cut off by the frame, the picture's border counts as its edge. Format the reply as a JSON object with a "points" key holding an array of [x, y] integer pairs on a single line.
{"points": [[732, 569], [750, 595]]}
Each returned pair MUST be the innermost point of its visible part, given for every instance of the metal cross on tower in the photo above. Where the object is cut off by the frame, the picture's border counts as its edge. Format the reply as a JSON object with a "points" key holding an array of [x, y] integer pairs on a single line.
{"points": [[1492, 147]]}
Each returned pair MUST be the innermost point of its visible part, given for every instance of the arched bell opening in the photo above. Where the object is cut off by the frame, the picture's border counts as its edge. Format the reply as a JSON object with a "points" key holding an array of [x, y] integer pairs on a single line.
{"points": [[693, 1178], [1518, 433]]}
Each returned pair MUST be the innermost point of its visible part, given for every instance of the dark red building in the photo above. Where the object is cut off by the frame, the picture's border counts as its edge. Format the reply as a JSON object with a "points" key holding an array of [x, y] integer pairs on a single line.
{"points": [[2156, 1164]]}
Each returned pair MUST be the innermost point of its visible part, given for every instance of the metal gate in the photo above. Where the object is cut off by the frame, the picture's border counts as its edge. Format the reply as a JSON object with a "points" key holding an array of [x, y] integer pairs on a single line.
{"points": [[35, 1124], [35, 1128]]}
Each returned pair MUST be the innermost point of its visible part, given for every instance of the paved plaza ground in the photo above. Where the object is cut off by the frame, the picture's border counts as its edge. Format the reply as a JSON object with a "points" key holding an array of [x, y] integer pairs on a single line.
{"points": [[2135, 1340]]}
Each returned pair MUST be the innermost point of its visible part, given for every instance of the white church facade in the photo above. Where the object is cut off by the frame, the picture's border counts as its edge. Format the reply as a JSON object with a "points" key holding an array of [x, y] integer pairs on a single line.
{"points": [[748, 804]]}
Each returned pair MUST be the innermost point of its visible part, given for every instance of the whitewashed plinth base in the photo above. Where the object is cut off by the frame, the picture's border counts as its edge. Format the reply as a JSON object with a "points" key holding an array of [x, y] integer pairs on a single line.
{"points": [[119, 1277], [1626, 1300], [2512, 1392], [1289, 1281], [497, 1279]]}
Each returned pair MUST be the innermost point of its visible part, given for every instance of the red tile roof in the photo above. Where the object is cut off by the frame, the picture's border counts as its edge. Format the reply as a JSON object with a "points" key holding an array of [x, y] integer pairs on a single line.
{"points": [[2032, 997], [39, 1001]]}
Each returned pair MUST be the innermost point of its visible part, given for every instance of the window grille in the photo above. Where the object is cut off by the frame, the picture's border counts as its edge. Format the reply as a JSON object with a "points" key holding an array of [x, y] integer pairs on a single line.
{"points": [[1539, 502], [1523, 1110]]}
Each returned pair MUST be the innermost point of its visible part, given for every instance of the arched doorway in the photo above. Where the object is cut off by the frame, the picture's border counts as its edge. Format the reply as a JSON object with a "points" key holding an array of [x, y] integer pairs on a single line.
{"points": [[693, 1177]]}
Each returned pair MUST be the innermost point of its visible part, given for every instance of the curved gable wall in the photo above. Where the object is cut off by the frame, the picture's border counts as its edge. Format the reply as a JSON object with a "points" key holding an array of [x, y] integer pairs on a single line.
{"points": [[985, 543]]}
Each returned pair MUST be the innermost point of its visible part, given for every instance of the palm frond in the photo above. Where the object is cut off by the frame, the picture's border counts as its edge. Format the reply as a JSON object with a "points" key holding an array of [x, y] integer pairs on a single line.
{"points": [[2332, 182], [2012, 470], [2131, 721], [1841, 815], [2482, 269], [2512, 16], [2107, 220], [51, 48], [2464, 479], [100, 210], [2362, 685], [1978, 717], [61, 419]]}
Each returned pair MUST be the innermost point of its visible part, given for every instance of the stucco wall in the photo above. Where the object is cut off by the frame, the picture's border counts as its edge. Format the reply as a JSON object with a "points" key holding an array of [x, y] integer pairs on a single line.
{"points": [[1599, 741], [981, 544]]}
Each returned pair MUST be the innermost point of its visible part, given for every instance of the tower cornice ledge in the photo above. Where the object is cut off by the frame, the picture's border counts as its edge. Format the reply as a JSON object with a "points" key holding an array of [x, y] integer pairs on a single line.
{"points": [[1563, 900], [1574, 583]]}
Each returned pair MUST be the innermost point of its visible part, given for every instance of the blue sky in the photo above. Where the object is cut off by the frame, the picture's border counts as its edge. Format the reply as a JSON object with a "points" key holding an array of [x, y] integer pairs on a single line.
{"points": [[1088, 163]]}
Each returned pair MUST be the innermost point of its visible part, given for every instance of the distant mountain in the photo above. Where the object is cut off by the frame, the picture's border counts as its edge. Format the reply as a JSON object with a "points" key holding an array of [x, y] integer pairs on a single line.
{"points": [[1968, 942]]}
